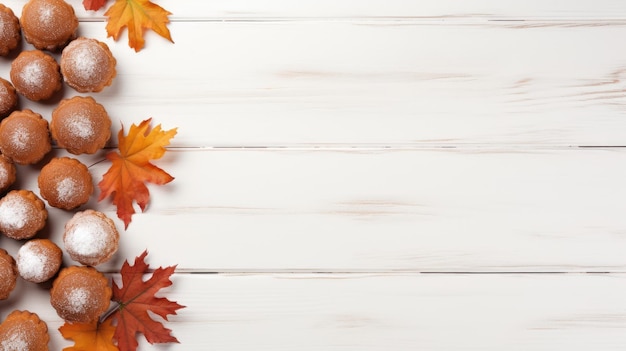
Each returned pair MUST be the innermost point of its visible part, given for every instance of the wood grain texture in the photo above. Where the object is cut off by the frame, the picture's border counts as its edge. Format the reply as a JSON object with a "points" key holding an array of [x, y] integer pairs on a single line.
{"points": [[395, 10], [382, 312], [312, 84], [375, 175], [478, 210]]}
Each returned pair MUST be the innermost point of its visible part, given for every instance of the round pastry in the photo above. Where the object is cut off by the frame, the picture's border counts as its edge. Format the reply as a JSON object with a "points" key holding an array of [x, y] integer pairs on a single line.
{"points": [[22, 214], [24, 137], [8, 97], [48, 24], [8, 275], [81, 125], [87, 65], [36, 75], [65, 183], [39, 260], [7, 173], [9, 30], [80, 294], [23, 330], [90, 237]]}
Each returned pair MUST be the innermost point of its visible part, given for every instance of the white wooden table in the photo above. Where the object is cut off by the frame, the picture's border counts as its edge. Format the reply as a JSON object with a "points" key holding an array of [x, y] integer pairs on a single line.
{"points": [[376, 175]]}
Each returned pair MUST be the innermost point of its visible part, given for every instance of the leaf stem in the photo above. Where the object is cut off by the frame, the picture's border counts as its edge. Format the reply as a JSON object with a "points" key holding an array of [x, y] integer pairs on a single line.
{"points": [[95, 163], [118, 306]]}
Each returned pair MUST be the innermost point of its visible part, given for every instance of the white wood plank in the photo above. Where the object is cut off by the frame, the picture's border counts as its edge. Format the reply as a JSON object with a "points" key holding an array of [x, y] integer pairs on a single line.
{"points": [[372, 312], [323, 84], [480, 210], [375, 9]]}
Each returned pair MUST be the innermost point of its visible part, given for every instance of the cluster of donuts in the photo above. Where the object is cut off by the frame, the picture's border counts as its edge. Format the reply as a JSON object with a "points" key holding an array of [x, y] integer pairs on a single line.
{"points": [[80, 125]]}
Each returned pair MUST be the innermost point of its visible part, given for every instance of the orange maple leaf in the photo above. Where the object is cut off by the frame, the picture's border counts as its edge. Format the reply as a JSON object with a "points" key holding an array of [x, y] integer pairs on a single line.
{"points": [[131, 168], [93, 5], [137, 15], [89, 336], [135, 298]]}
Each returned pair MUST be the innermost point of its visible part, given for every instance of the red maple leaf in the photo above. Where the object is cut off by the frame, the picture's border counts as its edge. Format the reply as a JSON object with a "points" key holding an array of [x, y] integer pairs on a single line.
{"points": [[94, 5], [135, 298]]}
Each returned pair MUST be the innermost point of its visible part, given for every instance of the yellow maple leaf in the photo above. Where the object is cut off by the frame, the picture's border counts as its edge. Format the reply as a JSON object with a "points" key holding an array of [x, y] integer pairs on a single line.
{"points": [[89, 336], [137, 15], [131, 167]]}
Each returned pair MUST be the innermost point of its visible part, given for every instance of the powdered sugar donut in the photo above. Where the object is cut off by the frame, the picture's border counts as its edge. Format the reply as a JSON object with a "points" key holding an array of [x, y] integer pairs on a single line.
{"points": [[65, 183], [8, 98], [8, 274], [80, 294], [36, 75], [24, 137], [81, 125], [48, 24], [38, 260], [22, 214], [10, 34], [7, 173], [23, 330], [90, 237], [88, 65]]}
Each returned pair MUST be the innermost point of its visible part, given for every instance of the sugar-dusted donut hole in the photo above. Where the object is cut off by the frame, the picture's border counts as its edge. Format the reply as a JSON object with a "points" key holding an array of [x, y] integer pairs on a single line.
{"points": [[90, 237]]}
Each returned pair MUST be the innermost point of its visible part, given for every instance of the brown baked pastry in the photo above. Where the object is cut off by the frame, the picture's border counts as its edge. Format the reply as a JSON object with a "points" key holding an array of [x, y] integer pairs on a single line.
{"points": [[80, 294], [48, 24], [65, 183], [87, 65], [7, 173], [24, 137], [36, 75], [38, 260], [81, 125], [23, 331], [8, 98], [22, 214], [9, 30], [8, 275], [90, 237]]}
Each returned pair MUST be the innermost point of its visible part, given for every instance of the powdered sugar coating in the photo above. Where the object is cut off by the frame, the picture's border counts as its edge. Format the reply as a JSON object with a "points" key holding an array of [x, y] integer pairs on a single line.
{"points": [[78, 300], [21, 138], [24, 137], [65, 183], [67, 188], [15, 342], [9, 30], [8, 98], [8, 274], [23, 331], [32, 75], [80, 294], [90, 237], [81, 125], [35, 75], [38, 260], [4, 174], [14, 213], [87, 65], [22, 214], [45, 13], [30, 264], [7, 173], [87, 61], [48, 24]]}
